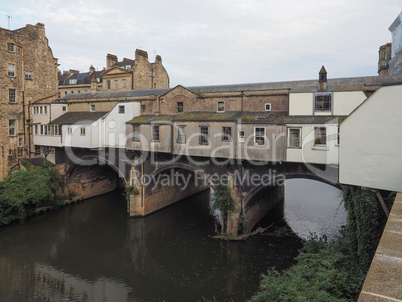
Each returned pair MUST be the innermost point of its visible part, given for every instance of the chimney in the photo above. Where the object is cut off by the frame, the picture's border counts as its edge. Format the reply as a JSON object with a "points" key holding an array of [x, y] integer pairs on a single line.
{"points": [[110, 60], [158, 59], [91, 69], [141, 54], [322, 79]]}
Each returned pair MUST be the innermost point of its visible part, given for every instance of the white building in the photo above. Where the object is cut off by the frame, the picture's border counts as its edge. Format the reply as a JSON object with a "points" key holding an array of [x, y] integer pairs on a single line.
{"points": [[370, 152]]}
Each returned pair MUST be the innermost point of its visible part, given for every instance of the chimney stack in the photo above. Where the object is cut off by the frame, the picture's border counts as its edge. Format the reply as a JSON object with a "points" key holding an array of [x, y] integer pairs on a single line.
{"points": [[322, 79], [110, 60]]}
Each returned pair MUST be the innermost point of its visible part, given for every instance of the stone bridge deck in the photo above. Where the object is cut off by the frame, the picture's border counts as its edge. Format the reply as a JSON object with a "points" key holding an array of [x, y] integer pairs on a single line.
{"points": [[384, 279]]}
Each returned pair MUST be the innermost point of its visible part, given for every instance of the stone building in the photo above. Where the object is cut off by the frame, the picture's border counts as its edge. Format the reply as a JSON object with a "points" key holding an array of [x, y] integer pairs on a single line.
{"points": [[395, 64], [28, 75], [128, 74], [384, 56]]}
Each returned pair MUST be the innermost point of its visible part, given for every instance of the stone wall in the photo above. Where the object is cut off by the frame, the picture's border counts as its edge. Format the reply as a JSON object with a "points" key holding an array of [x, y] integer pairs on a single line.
{"points": [[34, 79]]}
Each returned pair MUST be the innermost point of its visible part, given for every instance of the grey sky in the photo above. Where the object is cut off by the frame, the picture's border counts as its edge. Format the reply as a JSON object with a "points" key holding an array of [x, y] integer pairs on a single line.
{"points": [[213, 42]]}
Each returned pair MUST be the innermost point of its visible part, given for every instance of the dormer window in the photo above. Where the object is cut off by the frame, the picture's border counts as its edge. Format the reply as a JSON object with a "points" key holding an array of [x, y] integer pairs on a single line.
{"points": [[72, 81], [221, 106], [323, 102]]}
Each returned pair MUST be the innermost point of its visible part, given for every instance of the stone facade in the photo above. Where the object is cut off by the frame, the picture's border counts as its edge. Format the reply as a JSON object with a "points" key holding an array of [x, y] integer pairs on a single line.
{"points": [[384, 56], [125, 75], [28, 75]]}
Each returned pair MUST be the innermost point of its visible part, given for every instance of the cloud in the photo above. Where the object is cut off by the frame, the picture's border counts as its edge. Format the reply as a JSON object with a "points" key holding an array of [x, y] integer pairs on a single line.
{"points": [[218, 41]]}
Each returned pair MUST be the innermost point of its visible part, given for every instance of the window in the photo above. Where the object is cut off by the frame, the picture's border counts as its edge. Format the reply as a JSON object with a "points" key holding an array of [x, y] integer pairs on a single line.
{"points": [[155, 132], [65, 92], [35, 129], [181, 134], [92, 108], [40, 110], [108, 84], [323, 102], [59, 94], [20, 142], [11, 70], [69, 130], [78, 91], [294, 137], [136, 132], [10, 47], [154, 85], [241, 136], [204, 140], [12, 127], [11, 96], [267, 106], [259, 136], [221, 106], [37, 150], [28, 75], [64, 109], [320, 136], [226, 134], [142, 108], [116, 84], [83, 131], [72, 81], [42, 130], [45, 109], [124, 83], [179, 107], [121, 109]]}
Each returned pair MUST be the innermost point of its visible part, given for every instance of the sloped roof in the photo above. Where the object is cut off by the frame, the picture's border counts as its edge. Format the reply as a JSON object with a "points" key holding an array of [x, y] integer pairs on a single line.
{"points": [[148, 119], [208, 116], [114, 94], [82, 118]]}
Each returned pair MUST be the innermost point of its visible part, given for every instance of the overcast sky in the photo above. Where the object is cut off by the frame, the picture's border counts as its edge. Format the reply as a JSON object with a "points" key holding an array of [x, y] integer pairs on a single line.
{"points": [[213, 42]]}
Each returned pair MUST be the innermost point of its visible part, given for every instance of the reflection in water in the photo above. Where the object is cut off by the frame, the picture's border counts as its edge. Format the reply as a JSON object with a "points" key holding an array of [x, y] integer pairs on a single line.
{"points": [[92, 251], [313, 207]]}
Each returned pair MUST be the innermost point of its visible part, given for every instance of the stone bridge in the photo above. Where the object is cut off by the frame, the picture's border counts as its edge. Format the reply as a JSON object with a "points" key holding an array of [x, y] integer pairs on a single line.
{"points": [[157, 180]]}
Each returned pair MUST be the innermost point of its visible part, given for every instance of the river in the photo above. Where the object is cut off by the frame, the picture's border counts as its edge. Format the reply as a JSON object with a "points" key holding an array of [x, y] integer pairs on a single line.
{"points": [[91, 251]]}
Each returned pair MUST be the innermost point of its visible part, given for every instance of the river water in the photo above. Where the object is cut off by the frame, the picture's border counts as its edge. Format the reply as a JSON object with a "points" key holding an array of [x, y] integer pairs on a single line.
{"points": [[92, 251]]}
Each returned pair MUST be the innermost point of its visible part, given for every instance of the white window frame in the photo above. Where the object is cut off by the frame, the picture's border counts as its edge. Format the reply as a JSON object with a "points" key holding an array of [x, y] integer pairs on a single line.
{"points": [[181, 134], [269, 106], [204, 135], [69, 130], [218, 107], [124, 83], [226, 135], [320, 128], [241, 136], [155, 133], [11, 70], [323, 109], [121, 109], [82, 131], [10, 47], [136, 133], [299, 144], [257, 137], [91, 108], [12, 127], [72, 81], [12, 99]]}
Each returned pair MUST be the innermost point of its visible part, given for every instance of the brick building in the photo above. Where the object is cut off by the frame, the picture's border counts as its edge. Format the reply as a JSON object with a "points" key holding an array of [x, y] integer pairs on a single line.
{"points": [[28, 74]]}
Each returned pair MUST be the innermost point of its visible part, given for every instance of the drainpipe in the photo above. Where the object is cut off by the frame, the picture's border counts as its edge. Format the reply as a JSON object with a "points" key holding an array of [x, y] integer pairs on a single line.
{"points": [[241, 102], [29, 127], [23, 114]]}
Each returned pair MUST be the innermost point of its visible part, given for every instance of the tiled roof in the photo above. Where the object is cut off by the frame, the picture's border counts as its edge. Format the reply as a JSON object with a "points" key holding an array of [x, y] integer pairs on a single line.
{"points": [[82, 118], [114, 94]]}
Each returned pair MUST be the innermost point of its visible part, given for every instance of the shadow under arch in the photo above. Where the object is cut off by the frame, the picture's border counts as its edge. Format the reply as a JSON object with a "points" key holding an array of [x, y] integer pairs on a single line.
{"points": [[196, 170], [99, 161]]}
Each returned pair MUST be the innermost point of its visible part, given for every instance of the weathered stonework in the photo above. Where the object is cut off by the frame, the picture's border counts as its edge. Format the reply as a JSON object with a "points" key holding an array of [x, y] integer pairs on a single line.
{"points": [[29, 69]]}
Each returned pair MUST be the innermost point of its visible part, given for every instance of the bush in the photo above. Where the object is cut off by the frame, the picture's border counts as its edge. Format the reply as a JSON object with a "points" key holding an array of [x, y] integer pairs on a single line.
{"points": [[26, 190], [332, 271]]}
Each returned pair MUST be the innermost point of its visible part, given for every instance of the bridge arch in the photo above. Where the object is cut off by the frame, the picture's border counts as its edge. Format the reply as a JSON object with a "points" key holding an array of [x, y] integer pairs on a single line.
{"points": [[97, 161]]}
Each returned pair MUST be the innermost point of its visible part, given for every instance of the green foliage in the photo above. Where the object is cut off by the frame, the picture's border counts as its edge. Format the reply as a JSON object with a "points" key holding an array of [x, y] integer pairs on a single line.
{"points": [[26, 190], [223, 201], [332, 271], [131, 190]]}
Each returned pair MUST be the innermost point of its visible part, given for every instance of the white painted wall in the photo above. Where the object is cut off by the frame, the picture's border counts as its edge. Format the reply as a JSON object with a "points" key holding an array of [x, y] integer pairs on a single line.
{"points": [[301, 104], [75, 139], [312, 154], [114, 124], [371, 142], [57, 110], [346, 102], [38, 118]]}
